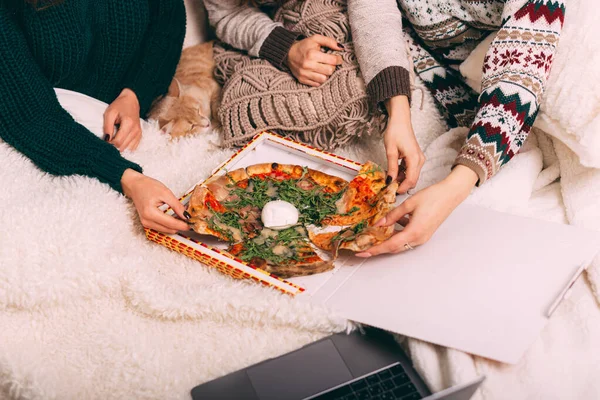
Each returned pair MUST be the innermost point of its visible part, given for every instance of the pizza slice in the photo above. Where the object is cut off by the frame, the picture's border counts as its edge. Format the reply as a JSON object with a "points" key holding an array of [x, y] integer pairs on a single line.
{"points": [[210, 217], [361, 234], [360, 197], [285, 253], [222, 185]]}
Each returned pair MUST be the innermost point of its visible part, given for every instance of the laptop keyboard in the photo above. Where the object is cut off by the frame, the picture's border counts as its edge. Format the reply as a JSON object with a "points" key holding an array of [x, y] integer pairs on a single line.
{"points": [[390, 384]]}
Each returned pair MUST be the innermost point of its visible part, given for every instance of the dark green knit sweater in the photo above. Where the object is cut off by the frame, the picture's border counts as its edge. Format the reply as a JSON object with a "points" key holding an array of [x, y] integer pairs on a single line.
{"points": [[96, 47]]}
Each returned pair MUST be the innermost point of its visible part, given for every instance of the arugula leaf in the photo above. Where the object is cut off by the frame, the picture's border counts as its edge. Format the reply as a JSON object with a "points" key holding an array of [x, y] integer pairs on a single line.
{"points": [[350, 211], [289, 237], [213, 225], [355, 229], [229, 218]]}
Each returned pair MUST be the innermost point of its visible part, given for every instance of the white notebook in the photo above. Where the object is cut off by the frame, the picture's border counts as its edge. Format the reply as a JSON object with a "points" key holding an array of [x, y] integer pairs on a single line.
{"points": [[483, 284]]}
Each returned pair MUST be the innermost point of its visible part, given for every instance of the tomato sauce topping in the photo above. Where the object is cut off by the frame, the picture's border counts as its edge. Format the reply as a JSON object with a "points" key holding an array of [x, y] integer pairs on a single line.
{"points": [[242, 184], [236, 249], [363, 188], [211, 202]]}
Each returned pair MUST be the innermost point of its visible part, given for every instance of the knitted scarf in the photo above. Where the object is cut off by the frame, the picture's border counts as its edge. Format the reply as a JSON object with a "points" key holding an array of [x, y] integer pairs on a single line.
{"points": [[258, 97]]}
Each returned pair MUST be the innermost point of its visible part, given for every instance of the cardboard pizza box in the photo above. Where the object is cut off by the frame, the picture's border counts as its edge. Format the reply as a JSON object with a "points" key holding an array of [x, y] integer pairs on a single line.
{"points": [[265, 147]]}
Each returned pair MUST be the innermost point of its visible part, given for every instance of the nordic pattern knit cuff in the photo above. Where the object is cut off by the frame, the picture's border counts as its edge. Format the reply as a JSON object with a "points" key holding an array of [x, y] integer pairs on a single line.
{"points": [[475, 157]]}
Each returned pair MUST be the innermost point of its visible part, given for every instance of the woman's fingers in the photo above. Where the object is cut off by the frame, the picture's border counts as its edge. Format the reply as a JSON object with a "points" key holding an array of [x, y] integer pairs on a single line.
{"points": [[153, 215], [414, 162], [110, 119], [327, 42], [132, 142], [310, 76], [133, 139], [125, 129], [323, 69], [395, 244], [392, 158], [167, 221], [135, 143], [407, 207], [309, 82], [169, 198], [404, 221], [329, 59]]}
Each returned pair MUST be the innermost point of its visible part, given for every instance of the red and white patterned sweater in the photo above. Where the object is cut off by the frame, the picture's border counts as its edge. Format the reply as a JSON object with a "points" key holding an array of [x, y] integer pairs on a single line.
{"points": [[441, 34]]}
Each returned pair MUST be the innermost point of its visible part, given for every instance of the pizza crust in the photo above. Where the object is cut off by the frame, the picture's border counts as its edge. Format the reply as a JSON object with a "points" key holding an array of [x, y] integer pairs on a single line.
{"points": [[285, 271], [201, 213], [334, 183]]}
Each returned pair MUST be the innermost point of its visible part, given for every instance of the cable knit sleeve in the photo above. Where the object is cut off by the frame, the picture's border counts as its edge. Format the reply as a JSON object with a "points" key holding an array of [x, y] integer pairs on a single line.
{"points": [[380, 48], [516, 68], [159, 53], [248, 28], [34, 123]]}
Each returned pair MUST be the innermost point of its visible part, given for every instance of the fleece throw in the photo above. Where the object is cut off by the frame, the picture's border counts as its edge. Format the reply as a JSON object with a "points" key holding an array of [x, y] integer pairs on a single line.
{"points": [[89, 309]]}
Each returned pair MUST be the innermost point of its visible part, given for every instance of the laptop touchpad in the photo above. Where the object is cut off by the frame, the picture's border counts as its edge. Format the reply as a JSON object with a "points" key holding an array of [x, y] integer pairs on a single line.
{"points": [[300, 374]]}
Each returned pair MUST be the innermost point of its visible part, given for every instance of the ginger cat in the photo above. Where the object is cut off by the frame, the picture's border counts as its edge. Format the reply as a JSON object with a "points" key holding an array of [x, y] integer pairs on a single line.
{"points": [[190, 106]]}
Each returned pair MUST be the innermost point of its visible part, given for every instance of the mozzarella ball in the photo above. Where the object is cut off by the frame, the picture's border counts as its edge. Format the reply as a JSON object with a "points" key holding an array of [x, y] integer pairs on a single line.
{"points": [[279, 214]]}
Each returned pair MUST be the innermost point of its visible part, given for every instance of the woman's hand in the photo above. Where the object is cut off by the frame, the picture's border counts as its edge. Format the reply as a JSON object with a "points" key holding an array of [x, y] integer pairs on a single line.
{"points": [[401, 144], [426, 211], [309, 64], [125, 112], [147, 195]]}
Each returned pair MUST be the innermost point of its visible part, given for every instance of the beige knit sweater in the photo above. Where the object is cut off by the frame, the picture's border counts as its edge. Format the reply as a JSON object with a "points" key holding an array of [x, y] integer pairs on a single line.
{"points": [[384, 67], [250, 29], [260, 94]]}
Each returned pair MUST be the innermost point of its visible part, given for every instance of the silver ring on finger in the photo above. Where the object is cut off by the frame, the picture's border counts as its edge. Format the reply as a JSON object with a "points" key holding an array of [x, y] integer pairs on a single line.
{"points": [[408, 246]]}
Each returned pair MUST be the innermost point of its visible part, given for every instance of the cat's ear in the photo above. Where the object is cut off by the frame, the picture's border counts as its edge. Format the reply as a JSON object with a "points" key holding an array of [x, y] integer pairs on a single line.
{"points": [[174, 88]]}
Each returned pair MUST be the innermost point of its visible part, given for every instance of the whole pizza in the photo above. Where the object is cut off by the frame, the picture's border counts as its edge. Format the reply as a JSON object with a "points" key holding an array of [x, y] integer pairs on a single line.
{"points": [[291, 220]]}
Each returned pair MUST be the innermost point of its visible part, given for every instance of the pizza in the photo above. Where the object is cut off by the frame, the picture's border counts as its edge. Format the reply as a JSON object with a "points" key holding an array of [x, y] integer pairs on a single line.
{"points": [[332, 214]]}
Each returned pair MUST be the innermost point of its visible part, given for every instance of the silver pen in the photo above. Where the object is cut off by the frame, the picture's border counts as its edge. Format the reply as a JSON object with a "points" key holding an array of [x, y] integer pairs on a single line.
{"points": [[566, 292]]}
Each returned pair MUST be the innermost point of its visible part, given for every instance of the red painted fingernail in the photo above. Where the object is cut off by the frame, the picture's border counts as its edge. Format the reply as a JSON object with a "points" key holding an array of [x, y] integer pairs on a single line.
{"points": [[106, 137], [341, 46], [187, 215]]}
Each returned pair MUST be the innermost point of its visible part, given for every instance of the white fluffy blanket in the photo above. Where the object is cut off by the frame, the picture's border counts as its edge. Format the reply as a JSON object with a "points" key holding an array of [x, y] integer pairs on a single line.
{"points": [[90, 309]]}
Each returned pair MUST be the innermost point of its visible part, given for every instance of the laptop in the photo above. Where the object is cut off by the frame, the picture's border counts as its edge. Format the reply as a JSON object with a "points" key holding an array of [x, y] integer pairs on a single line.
{"points": [[368, 365]]}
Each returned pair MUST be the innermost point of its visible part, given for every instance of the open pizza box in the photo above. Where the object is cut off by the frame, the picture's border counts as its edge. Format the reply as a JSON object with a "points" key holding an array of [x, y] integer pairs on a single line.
{"points": [[486, 283], [265, 147]]}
